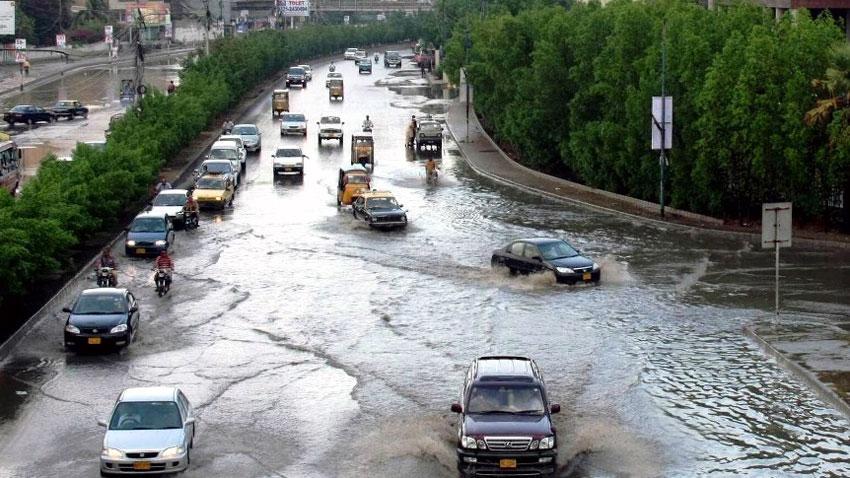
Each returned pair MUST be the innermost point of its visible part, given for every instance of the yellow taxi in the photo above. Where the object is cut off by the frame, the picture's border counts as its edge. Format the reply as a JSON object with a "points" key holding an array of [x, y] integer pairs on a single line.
{"points": [[214, 191]]}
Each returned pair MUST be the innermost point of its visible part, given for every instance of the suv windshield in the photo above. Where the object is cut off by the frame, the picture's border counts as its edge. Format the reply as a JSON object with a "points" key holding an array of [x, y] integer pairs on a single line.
{"points": [[244, 130], [392, 55], [293, 117], [210, 183], [223, 154], [505, 398], [296, 71], [170, 200], [145, 416], [288, 153], [148, 224], [102, 304], [331, 120], [556, 250]]}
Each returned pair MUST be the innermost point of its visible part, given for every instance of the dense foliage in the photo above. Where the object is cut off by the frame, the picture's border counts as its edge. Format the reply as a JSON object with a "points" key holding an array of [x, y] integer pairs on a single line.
{"points": [[68, 202], [570, 90]]}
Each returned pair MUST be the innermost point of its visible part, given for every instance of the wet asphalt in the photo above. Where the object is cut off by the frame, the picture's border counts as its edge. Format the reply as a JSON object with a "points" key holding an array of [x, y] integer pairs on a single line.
{"points": [[312, 346]]}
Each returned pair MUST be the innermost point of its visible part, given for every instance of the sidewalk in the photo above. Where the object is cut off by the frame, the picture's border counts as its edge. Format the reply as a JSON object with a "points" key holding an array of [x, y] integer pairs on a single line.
{"points": [[816, 352]]}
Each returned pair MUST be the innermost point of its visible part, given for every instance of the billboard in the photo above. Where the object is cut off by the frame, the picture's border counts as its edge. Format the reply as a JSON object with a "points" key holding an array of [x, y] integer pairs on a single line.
{"points": [[154, 14], [7, 18], [293, 8]]}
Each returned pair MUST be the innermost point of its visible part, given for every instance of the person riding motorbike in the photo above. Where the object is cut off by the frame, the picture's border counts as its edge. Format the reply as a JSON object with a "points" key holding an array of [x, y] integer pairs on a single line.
{"points": [[431, 169], [332, 68], [164, 263], [191, 210], [162, 184], [226, 126], [367, 124], [106, 261], [377, 57]]}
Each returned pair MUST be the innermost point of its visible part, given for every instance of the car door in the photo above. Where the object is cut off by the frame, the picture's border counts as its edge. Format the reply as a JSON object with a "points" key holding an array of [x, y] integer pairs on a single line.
{"points": [[186, 410], [133, 308], [532, 259], [357, 207], [169, 232], [513, 255]]}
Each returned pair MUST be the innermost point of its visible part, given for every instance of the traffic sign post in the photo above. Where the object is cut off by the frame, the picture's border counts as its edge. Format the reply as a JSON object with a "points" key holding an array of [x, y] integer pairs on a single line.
{"points": [[776, 233]]}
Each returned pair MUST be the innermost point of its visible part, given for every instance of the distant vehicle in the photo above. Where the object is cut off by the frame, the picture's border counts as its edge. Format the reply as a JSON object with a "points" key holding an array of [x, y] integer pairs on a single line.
{"points": [[331, 76], [229, 151], [363, 150], [10, 167], [170, 202], [505, 420], [28, 114], [429, 135], [151, 430], [113, 120], [214, 191], [251, 136], [280, 102], [149, 233], [308, 71], [336, 89], [289, 161], [330, 127], [364, 66], [101, 318], [353, 181], [240, 146], [293, 123], [360, 55], [296, 76], [380, 210], [350, 53], [392, 59], [224, 166], [526, 256], [69, 109]]}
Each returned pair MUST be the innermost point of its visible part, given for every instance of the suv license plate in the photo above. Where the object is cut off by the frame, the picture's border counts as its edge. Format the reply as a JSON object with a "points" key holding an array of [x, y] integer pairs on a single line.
{"points": [[142, 465], [507, 463], [585, 276]]}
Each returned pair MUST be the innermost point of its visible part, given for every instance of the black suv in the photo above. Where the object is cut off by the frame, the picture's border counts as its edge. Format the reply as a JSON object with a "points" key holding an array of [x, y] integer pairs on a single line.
{"points": [[392, 59], [296, 75], [504, 422]]}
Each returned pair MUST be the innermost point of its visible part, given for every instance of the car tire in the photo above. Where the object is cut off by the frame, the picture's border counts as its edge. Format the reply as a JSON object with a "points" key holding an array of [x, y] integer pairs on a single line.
{"points": [[11, 124]]}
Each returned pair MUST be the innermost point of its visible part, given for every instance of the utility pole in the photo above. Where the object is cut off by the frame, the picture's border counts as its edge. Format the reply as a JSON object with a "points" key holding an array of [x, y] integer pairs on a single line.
{"points": [[663, 159], [139, 60], [207, 27]]}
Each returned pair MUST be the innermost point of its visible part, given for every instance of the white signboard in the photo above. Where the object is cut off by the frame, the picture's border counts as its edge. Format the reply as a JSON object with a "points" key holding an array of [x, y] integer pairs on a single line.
{"points": [[7, 18], [775, 225], [107, 34], [660, 109], [60, 40], [346, 19], [168, 33], [20, 43], [294, 8], [243, 13]]}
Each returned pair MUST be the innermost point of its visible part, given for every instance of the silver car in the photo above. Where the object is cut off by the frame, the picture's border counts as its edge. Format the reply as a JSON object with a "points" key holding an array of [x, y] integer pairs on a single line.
{"points": [[293, 123], [250, 134], [150, 431]]}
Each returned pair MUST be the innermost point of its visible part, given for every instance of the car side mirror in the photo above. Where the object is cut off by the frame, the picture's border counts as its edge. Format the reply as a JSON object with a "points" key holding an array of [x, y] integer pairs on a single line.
{"points": [[101, 422], [400, 206], [135, 308], [343, 122], [317, 122], [66, 309], [304, 156], [190, 421], [456, 408], [537, 258], [554, 408]]}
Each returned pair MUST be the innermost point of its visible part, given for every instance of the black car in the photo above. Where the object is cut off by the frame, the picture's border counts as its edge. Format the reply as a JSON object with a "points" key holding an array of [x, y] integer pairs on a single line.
{"points": [[69, 109], [527, 256], [296, 75], [504, 420], [392, 59], [102, 318], [380, 210], [364, 66], [28, 114]]}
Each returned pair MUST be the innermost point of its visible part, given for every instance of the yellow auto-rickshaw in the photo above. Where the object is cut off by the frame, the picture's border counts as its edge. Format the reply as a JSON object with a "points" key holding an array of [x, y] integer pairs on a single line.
{"points": [[363, 150], [280, 102], [353, 181], [335, 90]]}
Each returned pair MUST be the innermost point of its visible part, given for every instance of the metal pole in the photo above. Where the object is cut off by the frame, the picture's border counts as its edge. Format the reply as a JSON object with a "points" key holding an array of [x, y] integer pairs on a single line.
{"points": [[776, 246], [21, 64], [466, 78], [663, 159]]}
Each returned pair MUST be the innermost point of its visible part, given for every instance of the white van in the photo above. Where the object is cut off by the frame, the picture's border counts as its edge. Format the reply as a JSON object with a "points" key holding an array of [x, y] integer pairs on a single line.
{"points": [[238, 140]]}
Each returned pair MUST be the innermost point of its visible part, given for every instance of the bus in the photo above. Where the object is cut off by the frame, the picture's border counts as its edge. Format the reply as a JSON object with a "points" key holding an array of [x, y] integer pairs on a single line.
{"points": [[10, 167]]}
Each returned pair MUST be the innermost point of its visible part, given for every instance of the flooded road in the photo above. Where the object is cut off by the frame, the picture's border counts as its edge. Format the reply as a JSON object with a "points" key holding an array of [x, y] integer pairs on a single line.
{"points": [[312, 346]]}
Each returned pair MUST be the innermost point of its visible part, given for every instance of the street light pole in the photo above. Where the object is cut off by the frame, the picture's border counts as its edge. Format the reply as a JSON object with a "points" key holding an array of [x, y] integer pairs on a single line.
{"points": [[467, 44], [662, 160]]}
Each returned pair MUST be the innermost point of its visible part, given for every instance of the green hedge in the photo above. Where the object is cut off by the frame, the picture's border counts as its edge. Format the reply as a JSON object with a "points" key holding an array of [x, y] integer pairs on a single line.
{"points": [[68, 202], [570, 89]]}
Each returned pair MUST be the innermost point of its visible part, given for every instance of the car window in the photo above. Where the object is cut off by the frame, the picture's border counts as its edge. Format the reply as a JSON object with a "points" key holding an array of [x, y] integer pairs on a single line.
{"points": [[516, 248], [505, 399], [556, 250], [210, 183], [288, 153], [173, 199], [293, 117], [100, 304], [184, 402], [244, 130], [382, 203], [148, 224], [531, 251], [218, 167], [145, 416], [224, 154]]}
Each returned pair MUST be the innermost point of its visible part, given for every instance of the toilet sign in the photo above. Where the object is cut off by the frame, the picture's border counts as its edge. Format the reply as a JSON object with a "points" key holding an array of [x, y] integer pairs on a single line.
{"points": [[60, 40], [20, 43], [776, 233]]}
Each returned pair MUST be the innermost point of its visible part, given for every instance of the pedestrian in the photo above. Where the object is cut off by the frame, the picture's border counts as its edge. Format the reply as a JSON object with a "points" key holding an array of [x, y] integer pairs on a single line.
{"points": [[422, 68], [27, 67], [171, 88]]}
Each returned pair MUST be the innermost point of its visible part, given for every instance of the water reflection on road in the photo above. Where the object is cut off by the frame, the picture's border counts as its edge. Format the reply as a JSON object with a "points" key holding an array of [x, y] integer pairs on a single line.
{"points": [[316, 347]]}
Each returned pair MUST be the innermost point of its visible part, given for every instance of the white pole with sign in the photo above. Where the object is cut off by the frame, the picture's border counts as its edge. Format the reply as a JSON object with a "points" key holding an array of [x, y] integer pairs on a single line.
{"points": [[776, 233]]}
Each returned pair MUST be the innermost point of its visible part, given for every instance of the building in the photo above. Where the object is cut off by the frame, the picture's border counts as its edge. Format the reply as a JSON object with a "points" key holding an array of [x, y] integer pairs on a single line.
{"points": [[839, 9]]}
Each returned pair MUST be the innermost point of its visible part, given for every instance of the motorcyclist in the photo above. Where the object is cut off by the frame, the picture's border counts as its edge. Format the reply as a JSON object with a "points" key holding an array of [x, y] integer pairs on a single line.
{"points": [[227, 126], [431, 169], [162, 184], [332, 68], [107, 260], [191, 209], [367, 124], [164, 263], [411, 132], [377, 57]]}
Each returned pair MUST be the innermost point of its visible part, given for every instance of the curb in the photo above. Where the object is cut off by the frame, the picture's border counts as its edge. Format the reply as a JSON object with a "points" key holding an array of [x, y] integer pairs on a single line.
{"points": [[749, 236], [823, 391]]}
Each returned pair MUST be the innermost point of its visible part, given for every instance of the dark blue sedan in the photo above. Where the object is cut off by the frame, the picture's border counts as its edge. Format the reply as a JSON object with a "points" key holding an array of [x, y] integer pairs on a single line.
{"points": [[102, 318], [528, 256]]}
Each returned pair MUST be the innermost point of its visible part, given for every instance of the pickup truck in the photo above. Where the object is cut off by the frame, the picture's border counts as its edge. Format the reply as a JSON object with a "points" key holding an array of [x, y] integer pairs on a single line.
{"points": [[69, 109]]}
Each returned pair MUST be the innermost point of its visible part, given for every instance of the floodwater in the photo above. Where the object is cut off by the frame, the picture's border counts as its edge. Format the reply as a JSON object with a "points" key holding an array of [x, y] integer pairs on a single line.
{"points": [[312, 346]]}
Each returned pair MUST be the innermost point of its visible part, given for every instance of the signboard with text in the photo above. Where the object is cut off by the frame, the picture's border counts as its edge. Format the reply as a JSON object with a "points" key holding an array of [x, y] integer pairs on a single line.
{"points": [[60, 40], [107, 34], [293, 8], [20, 43], [7, 18]]}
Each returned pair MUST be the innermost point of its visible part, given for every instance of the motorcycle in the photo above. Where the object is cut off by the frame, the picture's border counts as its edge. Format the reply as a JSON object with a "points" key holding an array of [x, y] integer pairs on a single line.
{"points": [[332, 68], [367, 126], [106, 277], [376, 58], [162, 281], [431, 177], [191, 221]]}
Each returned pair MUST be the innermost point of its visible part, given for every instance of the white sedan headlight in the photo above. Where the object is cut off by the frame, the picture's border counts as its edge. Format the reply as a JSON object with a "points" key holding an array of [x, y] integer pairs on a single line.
{"points": [[564, 270], [160, 243], [71, 329], [118, 329], [112, 453], [131, 243], [172, 452], [595, 266], [547, 443]]}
